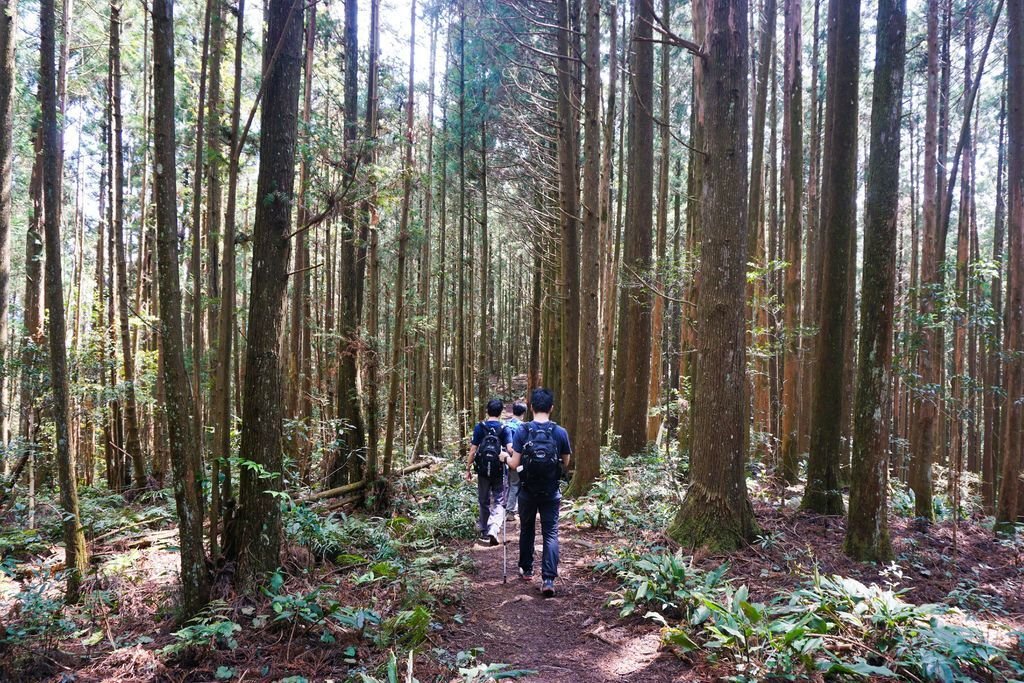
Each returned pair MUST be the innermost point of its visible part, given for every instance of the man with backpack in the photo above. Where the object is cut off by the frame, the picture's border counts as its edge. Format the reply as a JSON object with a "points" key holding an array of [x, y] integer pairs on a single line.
{"points": [[512, 425], [487, 456], [540, 454]]}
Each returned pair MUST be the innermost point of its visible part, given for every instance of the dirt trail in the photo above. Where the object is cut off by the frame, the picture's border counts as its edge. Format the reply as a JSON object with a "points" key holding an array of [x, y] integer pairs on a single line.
{"points": [[569, 638]]}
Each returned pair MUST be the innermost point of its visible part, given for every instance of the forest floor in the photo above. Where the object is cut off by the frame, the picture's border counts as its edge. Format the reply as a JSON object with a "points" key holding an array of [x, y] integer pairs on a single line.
{"points": [[414, 582]]}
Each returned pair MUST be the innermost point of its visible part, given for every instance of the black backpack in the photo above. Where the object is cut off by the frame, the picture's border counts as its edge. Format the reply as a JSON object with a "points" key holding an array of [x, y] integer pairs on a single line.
{"points": [[488, 455], [542, 459]]}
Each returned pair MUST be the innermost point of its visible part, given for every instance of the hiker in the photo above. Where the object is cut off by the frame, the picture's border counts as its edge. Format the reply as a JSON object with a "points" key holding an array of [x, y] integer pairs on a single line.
{"points": [[487, 457], [512, 426], [540, 453]]}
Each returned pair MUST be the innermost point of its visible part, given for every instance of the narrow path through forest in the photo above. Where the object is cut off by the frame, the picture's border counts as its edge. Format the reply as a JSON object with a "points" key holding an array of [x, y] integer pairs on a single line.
{"points": [[572, 637]]}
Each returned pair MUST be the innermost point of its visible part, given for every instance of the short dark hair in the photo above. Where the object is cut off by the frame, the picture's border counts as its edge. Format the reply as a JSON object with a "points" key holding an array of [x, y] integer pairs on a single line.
{"points": [[494, 407], [542, 400], [519, 409]]}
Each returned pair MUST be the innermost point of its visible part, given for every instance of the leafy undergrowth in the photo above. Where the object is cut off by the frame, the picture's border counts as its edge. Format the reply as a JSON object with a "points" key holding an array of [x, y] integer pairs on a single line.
{"points": [[793, 607], [357, 598]]}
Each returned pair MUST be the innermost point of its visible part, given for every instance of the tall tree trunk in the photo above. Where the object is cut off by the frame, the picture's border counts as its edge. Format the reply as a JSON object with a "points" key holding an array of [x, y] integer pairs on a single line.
{"points": [[867, 533], [403, 242], [588, 439], [221, 395], [993, 369], [8, 25], [568, 179], [52, 144], [370, 235], [259, 530], [351, 439], [634, 344], [716, 512], [179, 405], [838, 223], [1007, 511], [133, 443], [929, 359], [792, 184]]}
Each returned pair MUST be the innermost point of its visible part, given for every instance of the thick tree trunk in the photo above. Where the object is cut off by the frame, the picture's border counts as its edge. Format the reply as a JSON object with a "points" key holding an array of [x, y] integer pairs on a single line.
{"points": [[716, 512], [633, 365], [568, 179], [52, 145], [132, 444], [179, 405], [351, 439], [587, 452], [922, 439], [403, 243], [1007, 511], [838, 223], [259, 528], [8, 14], [993, 342], [867, 533], [792, 184]]}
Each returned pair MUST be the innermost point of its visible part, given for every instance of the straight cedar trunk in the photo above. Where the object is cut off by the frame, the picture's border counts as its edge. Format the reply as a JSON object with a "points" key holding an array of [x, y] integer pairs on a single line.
{"points": [[403, 245], [792, 187], [633, 367], [838, 223], [52, 145], [461, 409], [922, 441], [587, 453], [423, 374], [299, 407], [351, 438], [483, 366], [132, 443], [8, 12], [221, 395], [867, 532], [609, 229], [218, 290], [370, 260], [756, 292], [259, 528], [179, 405], [716, 512], [1008, 511], [569, 397], [993, 349], [442, 293], [812, 270]]}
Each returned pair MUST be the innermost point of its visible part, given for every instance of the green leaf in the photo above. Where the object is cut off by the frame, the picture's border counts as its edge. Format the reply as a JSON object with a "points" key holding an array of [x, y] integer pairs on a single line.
{"points": [[224, 673], [679, 638]]}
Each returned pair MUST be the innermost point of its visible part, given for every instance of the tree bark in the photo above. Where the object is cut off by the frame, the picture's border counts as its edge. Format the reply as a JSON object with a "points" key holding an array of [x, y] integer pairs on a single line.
{"points": [[8, 27], [588, 442], [838, 224], [867, 532], [52, 145], [1007, 511], [259, 512], [792, 175], [716, 512], [179, 405], [633, 365]]}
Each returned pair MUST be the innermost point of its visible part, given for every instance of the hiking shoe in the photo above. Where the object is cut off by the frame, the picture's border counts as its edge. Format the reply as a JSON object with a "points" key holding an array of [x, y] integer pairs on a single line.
{"points": [[547, 588], [525, 574], [492, 540]]}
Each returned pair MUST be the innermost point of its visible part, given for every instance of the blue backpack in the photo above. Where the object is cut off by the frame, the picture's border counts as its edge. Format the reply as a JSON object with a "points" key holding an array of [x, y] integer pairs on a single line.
{"points": [[488, 456], [542, 459]]}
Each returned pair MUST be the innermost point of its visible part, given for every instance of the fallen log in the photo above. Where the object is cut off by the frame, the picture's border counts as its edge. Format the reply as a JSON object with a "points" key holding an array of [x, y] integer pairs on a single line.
{"points": [[361, 484]]}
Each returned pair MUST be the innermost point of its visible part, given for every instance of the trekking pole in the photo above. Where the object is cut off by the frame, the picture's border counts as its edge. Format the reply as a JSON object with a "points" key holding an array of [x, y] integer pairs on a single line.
{"points": [[504, 534]]}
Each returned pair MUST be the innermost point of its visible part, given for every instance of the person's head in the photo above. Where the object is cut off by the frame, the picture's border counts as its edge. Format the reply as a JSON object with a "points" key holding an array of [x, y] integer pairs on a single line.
{"points": [[494, 407], [519, 409], [542, 400]]}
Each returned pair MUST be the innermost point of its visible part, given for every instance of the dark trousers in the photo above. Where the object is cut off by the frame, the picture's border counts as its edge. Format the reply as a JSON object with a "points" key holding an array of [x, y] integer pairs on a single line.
{"points": [[529, 507], [491, 497]]}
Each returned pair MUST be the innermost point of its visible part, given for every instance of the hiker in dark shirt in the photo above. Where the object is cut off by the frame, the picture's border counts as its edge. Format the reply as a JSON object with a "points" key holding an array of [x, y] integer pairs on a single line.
{"points": [[512, 425], [540, 453], [488, 454]]}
